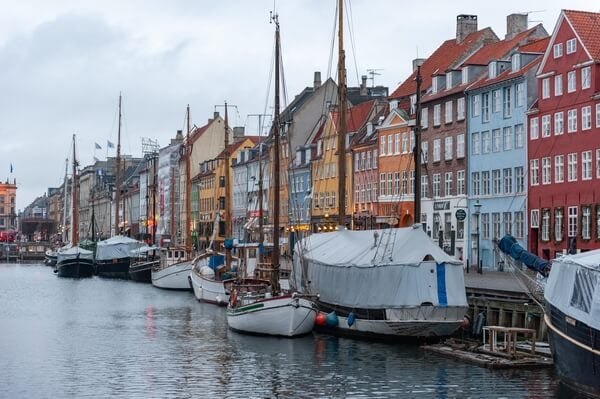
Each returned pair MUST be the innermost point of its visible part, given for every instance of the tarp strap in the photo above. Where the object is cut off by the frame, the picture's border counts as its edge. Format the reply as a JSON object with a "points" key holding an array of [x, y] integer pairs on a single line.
{"points": [[441, 284]]}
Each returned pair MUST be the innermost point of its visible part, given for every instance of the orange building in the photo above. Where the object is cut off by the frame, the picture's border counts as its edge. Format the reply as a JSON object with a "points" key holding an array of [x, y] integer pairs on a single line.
{"points": [[8, 204]]}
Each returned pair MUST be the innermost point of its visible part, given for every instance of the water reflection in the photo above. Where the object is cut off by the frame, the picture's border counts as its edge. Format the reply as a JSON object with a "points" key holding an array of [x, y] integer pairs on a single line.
{"points": [[110, 338]]}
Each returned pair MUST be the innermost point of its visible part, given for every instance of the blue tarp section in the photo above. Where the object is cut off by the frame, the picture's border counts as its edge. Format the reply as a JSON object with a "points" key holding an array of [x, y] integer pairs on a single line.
{"points": [[215, 261], [441, 284], [509, 245]]}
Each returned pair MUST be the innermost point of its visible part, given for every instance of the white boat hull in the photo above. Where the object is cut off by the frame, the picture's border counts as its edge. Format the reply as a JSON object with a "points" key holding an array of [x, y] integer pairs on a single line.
{"points": [[209, 290], [287, 316], [173, 277]]}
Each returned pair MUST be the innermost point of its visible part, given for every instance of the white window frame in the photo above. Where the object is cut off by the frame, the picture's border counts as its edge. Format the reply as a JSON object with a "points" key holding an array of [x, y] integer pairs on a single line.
{"points": [[586, 117], [519, 136], [460, 109], [586, 222], [572, 167], [520, 95], [586, 77], [507, 138], [496, 100], [448, 184], [559, 168], [534, 170], [534, 220], [558, 85], [546, 175], [572, 121], [546, 131], [460, 182], [496, 140], [559, 224], [572, 221], [476, 143], [486, 142], [571, 46], [448, 143], [448, 112], [534, 128], [507, 101], [546, 88], [424, 117], [586, 165], [460, 146], [437, 109], [557, 50], [559, 123], [437, 150], [476, 105], [571, 81]]}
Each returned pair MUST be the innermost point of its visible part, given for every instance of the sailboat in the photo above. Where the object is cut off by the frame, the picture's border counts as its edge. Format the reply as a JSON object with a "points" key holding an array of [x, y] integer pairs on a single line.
{"points": [[113, 256], [393, 283], [173, 269], [258, 311], [74, 261]]}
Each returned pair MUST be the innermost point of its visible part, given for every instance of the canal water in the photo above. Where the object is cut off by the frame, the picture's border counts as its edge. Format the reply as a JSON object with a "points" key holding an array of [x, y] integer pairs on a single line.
{"points": [[62, 338]]}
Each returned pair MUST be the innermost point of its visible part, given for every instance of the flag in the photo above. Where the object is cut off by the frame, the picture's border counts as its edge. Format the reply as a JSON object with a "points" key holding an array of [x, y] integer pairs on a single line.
{"points": [[97, 146], [109, 144], [11, 168]]}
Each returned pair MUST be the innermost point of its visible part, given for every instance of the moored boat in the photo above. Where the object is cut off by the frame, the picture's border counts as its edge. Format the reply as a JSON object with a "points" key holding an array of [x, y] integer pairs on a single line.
{"points": [[143, 261], [75, 262], [113, 256], [209, 280], [50, 257], [173, 270]]}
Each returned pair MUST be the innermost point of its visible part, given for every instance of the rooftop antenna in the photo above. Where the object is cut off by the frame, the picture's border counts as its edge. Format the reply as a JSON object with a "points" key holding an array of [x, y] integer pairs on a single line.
{"points": [[372, 73]]}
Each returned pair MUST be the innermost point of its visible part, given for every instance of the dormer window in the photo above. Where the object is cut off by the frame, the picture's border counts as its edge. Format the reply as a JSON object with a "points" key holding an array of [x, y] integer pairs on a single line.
{"points": [[393, 105], [515, 62], [448, 80], [434, 85], [492, 69], [465, 75]]}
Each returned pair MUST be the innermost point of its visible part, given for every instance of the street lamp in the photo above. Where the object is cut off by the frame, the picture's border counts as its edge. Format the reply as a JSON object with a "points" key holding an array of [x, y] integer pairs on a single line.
{"points": [[477, 212]]}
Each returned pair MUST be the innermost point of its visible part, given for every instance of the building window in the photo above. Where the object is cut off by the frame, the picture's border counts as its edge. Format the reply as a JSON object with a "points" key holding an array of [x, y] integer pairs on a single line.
{"points": [[397, 143], [497, 182], [598, 164], [492, 69], [390, 149], [572, 120], [572, 232], [545, 225], [571, 46], [460, 109], [460, 146], [520, 98], [598, 115], [507, 217], [374, 159], [475, 144], [533, 128], [436, 225], [424, 117], [546, 88], [424, 152], [534, 169], [515, 62], [586, 222], [586, 165], [546, 178], [586, 118], [571, 81], [559, 123], [559, 169], [558, 50], [411, 186], [534, 220], [496, 140], [448, 148], [476, 105], [507, 180], [546, 126], [448, 184], [460, 182], [572, 167], [558, 224], [485, 182], [485, 226], [382, 184], [368, 160], [382, 150], [519, 224], [485, 107], [519, 180], [475, 183], [424, 186], [390, 183], [507, 102], [496, 225], [397, 182], [448, 112], [436, 184], [558, 85], [437, 109], [404, 143], [449, 81], [496, 101], [436, 150], [519, 137]]}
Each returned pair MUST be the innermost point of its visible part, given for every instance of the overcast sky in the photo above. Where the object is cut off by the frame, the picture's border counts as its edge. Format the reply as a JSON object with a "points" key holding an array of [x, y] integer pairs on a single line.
{"points": [[64, 62]]}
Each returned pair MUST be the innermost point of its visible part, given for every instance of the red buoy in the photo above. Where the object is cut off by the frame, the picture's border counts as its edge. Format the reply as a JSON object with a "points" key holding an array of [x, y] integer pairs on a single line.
{"points": [[320, 319]]}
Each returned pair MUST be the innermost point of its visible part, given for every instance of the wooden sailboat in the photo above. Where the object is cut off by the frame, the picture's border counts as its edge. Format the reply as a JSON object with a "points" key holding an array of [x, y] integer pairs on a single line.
{"points": [[173, 269], [392, 283], [113, 256], [259, 311], [74, 261]]}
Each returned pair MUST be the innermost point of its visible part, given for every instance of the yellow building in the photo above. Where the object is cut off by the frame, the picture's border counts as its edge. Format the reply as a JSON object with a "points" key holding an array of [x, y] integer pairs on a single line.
{"points": [[8, 205]]}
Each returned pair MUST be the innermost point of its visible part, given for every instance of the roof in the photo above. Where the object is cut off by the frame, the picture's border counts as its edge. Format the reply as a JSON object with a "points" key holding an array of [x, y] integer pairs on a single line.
{"points": [[356, 116], [505, 75], [538, 46], [443, 58], [234, 146], [499, 49], [587, 27]]}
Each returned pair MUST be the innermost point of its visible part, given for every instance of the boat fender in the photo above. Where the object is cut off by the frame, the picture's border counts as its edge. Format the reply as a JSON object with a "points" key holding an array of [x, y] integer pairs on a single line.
{"points": [[320, 319], [332, 319], [351, 319], [233, 298]]}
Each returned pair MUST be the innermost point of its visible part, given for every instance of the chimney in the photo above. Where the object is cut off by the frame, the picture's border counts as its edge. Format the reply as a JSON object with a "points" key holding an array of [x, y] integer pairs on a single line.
{"points": [[317, 80], [417, 62], [515, 24], [465, 24], [238, 133], [363, 85], [215, 114]]}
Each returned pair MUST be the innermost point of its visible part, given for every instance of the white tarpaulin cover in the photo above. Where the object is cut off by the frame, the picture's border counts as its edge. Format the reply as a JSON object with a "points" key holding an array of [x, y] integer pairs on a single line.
{"points": [[399, 268], [116, 247], [573, 287], [73, 253]]}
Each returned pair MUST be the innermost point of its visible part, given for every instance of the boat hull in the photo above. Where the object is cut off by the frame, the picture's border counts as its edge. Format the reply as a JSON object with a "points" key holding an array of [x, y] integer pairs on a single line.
{"points": [[209, 290], [285, 316], [76, 268], [142, 272], [173, 277], [576, 361], [420, 323], [114, 268]]}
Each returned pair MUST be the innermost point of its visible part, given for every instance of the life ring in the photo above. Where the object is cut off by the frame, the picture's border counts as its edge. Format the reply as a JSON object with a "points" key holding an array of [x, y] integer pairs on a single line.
{"points": [[233, 298]]}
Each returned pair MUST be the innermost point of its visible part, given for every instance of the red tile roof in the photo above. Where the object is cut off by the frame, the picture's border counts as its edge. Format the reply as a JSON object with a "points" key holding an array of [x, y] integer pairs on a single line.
{"points": [[234, 146], [500, 49], [505, 75], [355, 116], [538, 46], [587, 26], [442, 59]]}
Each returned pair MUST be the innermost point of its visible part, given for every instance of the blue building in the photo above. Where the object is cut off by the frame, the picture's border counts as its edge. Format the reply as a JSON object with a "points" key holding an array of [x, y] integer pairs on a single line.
{"points": [[497, 157]]}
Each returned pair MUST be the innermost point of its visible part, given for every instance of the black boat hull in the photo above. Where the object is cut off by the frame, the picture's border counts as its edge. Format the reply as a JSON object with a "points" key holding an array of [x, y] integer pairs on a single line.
{"points": [[115, 268], [142, 272], [76, 268]]}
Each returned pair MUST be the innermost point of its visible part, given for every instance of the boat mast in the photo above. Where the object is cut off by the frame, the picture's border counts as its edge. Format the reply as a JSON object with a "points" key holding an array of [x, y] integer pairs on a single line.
{"points": [[341, 130], [75, 217], [93, 216], [261, 230], [118, 173], [276, 164], [66, 183], [226, 210], [417, 151], [188, 187]]}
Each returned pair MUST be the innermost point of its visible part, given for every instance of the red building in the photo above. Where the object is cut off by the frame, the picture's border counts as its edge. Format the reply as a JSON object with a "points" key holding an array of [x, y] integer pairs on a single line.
{"points": [[564, 140]]}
